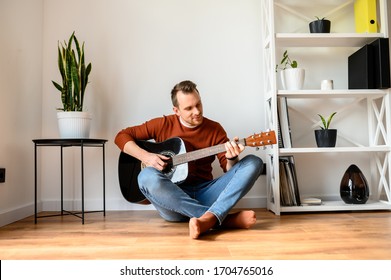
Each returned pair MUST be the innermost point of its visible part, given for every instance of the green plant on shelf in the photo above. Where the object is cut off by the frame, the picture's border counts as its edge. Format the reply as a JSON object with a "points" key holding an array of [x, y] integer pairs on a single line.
{"points": [[326, 124], [286, 61]]}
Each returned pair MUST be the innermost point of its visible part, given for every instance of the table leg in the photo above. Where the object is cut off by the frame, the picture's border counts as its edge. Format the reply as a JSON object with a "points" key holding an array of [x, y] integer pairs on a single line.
{"points": [[104, 182], [82, 182], [35, 184], [62, 182]]}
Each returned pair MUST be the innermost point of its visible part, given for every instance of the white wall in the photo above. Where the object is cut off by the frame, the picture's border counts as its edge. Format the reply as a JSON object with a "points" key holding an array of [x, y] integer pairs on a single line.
{"points": [[139, 50], [20, 103]]}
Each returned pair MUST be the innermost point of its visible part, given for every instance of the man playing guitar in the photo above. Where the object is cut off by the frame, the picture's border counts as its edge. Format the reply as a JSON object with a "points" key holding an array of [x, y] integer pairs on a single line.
{"points": [[200, 199]]}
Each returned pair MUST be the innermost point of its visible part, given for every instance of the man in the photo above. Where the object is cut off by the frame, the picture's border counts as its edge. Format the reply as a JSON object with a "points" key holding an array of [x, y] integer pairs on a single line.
{"points": [[202, 200]]}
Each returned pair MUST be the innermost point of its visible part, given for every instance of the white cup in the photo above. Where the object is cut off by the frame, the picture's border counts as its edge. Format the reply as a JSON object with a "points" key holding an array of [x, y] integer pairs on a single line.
{"points": [[326, 85]]}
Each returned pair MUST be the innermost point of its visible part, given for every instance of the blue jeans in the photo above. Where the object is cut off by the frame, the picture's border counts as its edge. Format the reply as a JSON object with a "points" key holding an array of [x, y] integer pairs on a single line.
{"points": [[218, 196]]}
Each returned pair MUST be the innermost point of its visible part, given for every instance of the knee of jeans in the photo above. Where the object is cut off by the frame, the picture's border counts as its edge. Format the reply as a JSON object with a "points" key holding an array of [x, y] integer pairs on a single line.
{"points": [[147, 178], [254, 161]]}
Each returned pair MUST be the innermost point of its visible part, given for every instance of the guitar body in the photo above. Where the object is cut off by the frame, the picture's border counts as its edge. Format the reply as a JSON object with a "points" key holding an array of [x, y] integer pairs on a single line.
{"points": [[129, 167]]}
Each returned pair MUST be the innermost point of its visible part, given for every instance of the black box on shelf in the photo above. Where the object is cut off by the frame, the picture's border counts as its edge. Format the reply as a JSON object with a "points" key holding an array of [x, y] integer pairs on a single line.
{"points": [[381, 58], [360, 69], [369, 67]]}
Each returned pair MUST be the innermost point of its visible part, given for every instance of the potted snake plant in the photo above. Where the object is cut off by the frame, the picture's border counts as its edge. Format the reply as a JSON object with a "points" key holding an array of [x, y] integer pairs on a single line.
{"points": [[73, 121], [326, 137], [320, 25]]}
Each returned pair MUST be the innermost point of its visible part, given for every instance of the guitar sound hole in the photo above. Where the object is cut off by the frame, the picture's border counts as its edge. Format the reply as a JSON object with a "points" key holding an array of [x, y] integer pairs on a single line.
{"points": [[169, 169]]}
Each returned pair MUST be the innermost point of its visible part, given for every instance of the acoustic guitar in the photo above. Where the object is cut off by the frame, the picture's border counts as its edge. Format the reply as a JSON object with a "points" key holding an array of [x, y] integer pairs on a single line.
{"points": [[176, 169]]}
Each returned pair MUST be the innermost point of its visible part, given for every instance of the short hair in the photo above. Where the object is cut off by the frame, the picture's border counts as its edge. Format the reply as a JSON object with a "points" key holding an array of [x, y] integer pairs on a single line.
{"points": [[184, 86]]}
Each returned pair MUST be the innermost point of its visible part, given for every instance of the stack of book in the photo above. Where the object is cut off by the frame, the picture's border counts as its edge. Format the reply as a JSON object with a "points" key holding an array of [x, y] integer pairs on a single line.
{"points": [[289, 189], [284, 130]]}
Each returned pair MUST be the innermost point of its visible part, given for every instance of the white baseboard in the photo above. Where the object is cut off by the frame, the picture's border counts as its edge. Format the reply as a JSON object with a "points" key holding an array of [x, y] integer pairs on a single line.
{"points": [[252, 202], [16, 214]]}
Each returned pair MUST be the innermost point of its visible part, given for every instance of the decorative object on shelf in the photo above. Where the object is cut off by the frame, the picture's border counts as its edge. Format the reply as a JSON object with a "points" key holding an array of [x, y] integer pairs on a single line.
{"points": [[365, 16], [320, 25], [360, 69], [311, 201], [381, 55], [74, 75], [326, 137], [369, 67], [291, 78], [327, 85], [354, 187]]}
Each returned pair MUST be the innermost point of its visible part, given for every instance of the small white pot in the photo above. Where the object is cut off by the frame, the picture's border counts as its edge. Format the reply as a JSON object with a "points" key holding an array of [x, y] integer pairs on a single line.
{"points": [[293, 78], [74, 124]]}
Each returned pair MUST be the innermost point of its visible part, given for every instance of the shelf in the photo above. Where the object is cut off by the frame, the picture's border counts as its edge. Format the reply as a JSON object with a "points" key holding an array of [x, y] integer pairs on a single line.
{"points": [[338, 206], [326, 39], [336, 93], [285, 151]]}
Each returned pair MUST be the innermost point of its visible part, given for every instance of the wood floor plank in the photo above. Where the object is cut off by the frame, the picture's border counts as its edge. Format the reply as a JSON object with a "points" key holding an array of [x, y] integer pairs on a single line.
{"points": [[144, 235]]}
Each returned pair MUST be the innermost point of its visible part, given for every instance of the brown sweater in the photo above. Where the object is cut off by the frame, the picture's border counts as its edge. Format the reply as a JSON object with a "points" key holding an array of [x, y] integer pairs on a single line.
{"points": [[209, 133]]}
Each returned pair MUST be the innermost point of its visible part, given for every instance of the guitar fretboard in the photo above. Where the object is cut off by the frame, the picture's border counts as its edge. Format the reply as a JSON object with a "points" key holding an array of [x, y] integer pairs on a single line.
{"points": [[202, 153]]}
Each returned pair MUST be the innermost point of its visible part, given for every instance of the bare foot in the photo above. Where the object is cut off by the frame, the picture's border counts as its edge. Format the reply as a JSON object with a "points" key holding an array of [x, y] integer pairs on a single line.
{"points": [[194, 228], [197, 226], [242, 219]]}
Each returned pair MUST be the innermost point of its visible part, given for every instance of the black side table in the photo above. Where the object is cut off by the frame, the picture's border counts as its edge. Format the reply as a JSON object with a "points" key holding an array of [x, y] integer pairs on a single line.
{"points": [[82, 143]]}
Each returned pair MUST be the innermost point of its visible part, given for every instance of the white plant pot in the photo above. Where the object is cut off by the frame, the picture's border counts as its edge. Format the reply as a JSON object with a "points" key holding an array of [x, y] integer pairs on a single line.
{"points": [[74, 124], [293, 78]]}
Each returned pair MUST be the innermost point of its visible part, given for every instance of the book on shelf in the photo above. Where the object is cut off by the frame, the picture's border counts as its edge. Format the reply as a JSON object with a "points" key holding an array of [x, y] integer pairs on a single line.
{"points": [[284, 195], [289, 188], [280, 142], [283, 122], [292, 166]]}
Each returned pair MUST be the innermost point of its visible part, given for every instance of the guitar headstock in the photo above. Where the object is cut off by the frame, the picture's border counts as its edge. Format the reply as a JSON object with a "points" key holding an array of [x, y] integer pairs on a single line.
{"points": [[261, 139]]}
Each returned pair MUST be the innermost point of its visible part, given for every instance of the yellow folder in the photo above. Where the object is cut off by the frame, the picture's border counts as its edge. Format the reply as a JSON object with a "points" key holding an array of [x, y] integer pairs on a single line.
{"points": [[365, 16]]}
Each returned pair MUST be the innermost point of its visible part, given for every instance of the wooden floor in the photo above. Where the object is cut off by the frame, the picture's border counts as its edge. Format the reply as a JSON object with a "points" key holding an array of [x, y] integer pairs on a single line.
{"points": [[144, 235]]}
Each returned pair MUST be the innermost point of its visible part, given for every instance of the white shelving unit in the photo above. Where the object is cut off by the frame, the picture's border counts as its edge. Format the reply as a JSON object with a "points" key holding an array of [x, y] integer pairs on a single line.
{"points": [[376, 148]]}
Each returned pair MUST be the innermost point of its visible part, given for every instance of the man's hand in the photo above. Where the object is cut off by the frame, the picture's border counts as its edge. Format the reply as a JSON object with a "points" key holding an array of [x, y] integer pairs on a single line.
{"points": [[233, 151], [148, 159], [156, 161], [233, 148]]}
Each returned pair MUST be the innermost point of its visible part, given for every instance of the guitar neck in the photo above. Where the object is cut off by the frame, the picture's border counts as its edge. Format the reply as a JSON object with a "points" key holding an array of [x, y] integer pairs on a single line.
{"points": [[202, 153]]}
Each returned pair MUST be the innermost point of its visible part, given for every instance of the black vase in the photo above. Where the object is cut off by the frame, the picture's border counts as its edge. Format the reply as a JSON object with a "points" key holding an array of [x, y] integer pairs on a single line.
{"points": [[354, 187], [326, 137], [320, 26]]}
